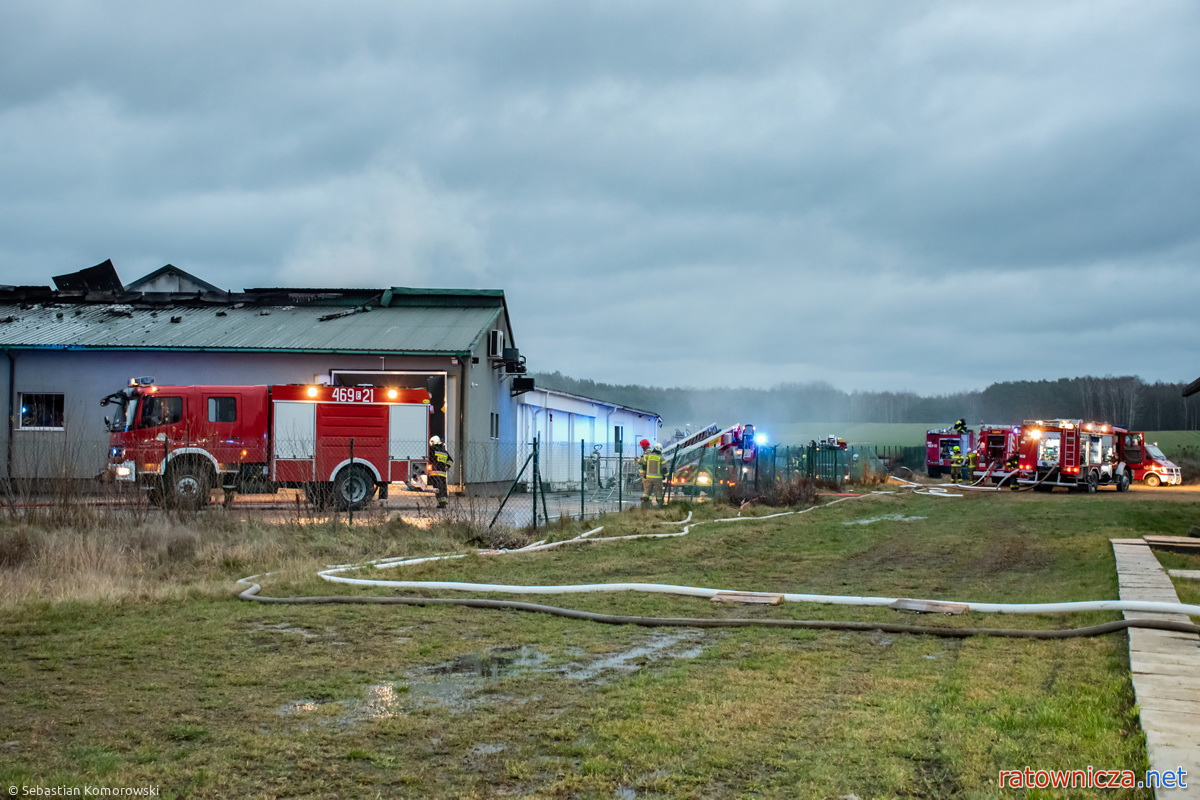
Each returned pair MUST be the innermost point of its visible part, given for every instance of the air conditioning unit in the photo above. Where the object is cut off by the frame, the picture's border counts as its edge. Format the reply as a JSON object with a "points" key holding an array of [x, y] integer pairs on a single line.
{"points": [[513, 361], [496, 345], [521, 386]]}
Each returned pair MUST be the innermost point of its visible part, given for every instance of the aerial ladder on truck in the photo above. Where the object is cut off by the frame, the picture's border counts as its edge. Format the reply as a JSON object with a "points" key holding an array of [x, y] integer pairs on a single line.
{"points": [[683, 459]]}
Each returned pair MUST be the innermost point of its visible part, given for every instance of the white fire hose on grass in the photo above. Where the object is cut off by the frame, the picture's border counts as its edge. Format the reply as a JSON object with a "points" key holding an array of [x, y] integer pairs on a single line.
{"points": [[336, 574]]}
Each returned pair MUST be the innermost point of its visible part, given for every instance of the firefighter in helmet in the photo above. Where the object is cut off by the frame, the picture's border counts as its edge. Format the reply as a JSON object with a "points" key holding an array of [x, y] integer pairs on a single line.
{"points": [[1012, 464], [652, 475], [640, 461], [439, 465], [956, 465], [961, 425], [971, 463]]}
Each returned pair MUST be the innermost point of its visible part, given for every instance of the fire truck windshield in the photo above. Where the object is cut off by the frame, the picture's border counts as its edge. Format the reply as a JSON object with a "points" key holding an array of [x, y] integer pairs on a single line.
{"points": [[127, 402], [123, 421]]}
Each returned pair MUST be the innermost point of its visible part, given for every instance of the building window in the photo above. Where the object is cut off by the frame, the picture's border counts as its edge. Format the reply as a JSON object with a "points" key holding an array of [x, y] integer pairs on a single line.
{"points": [[495, 426], [42, 412], [222, 409]]}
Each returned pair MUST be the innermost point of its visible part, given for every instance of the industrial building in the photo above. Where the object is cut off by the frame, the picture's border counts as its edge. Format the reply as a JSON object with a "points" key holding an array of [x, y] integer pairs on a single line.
{"points": [[572, 428], [66, 348]]}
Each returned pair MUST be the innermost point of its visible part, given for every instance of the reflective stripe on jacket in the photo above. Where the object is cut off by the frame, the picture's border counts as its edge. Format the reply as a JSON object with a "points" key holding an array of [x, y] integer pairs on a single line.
{"points": [[439, 462], [654, 465]]}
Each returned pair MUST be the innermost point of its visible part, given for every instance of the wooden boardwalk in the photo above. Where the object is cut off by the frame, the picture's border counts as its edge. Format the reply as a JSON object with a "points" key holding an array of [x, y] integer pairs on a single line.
{"points": [[1165, 667]]}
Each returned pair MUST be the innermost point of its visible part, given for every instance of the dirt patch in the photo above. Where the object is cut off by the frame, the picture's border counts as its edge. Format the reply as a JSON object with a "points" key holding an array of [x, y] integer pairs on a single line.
{"points": [[1003, 551], [1006, 553]]}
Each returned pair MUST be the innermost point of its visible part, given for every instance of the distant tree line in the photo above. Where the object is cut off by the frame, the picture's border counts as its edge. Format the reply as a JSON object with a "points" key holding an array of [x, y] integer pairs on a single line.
{"points": [[1123, 400]]}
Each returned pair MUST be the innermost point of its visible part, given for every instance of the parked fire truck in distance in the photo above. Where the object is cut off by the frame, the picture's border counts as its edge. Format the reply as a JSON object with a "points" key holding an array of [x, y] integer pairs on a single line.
{"points": [[1073, 453], [939, 447], [994, 446], [1148, 463], [340, 444]]}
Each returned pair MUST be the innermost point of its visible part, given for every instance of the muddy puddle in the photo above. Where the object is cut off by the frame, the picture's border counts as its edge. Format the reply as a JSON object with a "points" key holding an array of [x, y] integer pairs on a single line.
{"points": [[884, 518], [480, 679]]}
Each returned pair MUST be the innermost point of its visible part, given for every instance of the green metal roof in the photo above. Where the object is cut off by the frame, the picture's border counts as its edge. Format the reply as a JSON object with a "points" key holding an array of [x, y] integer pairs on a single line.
{"points": [[433, 328]]}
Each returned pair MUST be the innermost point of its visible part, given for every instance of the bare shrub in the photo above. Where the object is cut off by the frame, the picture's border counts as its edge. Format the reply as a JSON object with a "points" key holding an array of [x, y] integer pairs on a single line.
{"points": [[796, 492], [16, 547], [1188, 459]]}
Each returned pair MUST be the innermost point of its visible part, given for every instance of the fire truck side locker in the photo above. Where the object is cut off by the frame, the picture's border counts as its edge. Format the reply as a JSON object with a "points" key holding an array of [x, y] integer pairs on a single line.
{"points": [[408, 437], [293, 440]]}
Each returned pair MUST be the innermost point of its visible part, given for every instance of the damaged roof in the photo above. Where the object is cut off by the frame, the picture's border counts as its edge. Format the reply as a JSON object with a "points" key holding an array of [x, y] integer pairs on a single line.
{"points": [[396, 321]]}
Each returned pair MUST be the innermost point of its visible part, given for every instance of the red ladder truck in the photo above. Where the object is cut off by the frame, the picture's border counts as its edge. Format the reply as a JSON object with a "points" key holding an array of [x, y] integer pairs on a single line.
{"points": [[340, 444]]}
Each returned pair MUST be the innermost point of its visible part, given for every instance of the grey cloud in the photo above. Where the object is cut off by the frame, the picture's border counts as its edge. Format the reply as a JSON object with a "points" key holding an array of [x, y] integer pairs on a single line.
{"points": [[791, 192]]}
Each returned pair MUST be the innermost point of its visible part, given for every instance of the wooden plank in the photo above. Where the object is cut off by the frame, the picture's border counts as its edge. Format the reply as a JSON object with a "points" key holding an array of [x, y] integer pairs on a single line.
{"points": [[930, 606], [1165, 666], [750, 598], [1183, 544]]}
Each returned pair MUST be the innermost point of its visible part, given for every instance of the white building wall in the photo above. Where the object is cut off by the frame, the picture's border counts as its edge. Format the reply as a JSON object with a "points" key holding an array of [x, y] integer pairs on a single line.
{"points": [[562, 421]]}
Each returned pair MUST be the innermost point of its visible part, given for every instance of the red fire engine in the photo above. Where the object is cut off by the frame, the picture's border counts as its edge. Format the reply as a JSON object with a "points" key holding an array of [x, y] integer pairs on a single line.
{"points": [[338, 443], [1072, 453], [996, 446], [939, 449]]}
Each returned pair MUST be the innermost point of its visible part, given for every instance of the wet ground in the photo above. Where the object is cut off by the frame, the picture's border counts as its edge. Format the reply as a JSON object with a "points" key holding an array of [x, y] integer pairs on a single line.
{"points": [[489, 677]]}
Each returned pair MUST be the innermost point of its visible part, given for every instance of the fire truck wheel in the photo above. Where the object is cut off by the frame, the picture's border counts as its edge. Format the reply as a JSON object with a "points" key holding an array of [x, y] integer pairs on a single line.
{"points": [[1152, 480], [1123, 482], [1093, 482], [353, 488], [935, 472], [188, 485]]}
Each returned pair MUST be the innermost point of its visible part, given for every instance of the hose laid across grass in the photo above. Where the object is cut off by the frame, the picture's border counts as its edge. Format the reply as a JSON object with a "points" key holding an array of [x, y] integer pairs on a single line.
{"points": [[252, 593], [332, 574]]}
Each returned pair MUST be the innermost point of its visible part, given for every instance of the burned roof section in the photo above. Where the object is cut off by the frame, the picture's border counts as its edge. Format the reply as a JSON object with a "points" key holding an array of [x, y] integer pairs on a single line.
{"points": [[404, 320]]}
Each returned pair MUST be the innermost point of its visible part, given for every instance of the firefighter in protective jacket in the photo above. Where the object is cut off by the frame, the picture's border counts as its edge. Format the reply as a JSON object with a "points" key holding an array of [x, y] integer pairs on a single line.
{"points": [[956, 465], [439, 465], [1011, 465], [652, 475]]}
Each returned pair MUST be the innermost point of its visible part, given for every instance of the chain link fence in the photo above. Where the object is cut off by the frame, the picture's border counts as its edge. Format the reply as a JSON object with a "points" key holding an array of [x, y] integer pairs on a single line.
{"points": [[491, 483]]}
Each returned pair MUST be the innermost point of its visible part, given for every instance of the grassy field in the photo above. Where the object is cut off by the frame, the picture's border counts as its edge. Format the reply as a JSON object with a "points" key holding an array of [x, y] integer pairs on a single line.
{"points": [[146, 671]]}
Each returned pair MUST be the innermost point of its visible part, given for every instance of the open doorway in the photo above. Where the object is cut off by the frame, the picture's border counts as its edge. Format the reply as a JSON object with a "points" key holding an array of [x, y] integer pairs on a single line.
{"points": [[433, 382]]}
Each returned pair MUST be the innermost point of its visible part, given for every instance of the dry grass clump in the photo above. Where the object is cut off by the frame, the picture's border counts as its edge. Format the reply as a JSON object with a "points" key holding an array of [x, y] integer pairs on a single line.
{"points": [[796, 492], [161, 556]]}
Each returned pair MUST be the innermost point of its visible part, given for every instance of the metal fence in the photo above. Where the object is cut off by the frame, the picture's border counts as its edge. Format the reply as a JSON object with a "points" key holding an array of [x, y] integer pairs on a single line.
{"points": [[583, 480], [516, 485]]}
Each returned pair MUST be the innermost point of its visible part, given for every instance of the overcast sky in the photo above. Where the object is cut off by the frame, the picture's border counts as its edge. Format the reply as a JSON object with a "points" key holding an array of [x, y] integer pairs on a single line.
{"points": [[925, 196]]}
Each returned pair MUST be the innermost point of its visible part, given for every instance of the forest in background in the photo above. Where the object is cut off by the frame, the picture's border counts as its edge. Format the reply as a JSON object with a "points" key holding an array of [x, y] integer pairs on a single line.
{"points": [[1125, 400]]}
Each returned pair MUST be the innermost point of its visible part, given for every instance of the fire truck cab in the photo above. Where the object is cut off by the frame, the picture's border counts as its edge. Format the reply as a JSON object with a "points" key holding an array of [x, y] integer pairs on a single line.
{"points": [[1148, 463], [341, 444], [1073, 453]]}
